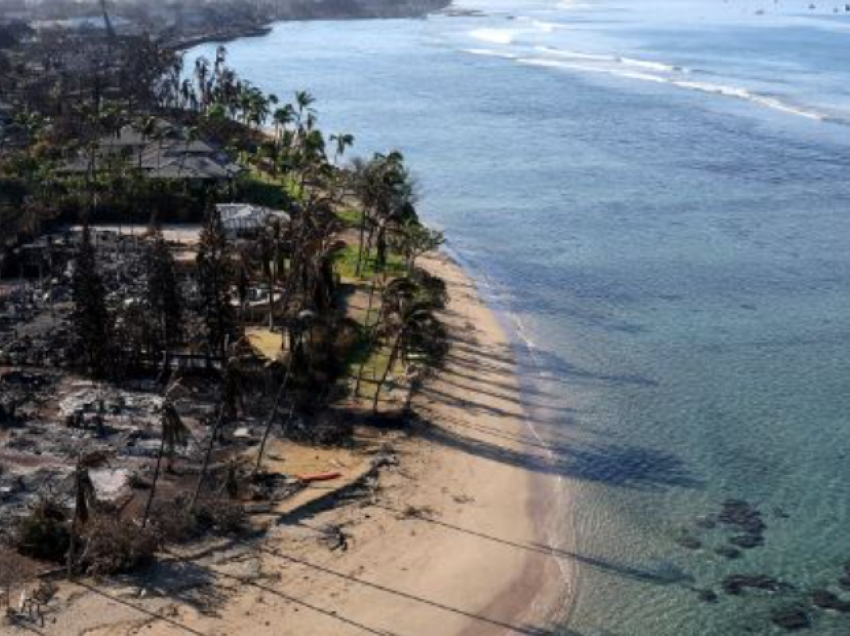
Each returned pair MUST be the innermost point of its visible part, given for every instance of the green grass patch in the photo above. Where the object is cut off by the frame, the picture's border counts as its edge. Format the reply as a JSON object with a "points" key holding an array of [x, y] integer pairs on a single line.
{"points": [[346, 264], [374, 364]]}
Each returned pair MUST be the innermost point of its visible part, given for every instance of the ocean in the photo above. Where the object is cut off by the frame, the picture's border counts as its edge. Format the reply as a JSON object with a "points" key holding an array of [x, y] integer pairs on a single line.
{"points": [[656, 196]]}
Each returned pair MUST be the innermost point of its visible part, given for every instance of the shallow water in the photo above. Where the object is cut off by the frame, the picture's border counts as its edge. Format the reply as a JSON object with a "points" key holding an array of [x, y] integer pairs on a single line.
{"points": [[657, 195]]}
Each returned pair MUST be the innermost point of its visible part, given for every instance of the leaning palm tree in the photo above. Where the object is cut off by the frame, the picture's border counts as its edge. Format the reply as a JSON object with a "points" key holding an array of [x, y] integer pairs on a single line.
{"points": [[174, 434], [228, 403], [304, 319]]}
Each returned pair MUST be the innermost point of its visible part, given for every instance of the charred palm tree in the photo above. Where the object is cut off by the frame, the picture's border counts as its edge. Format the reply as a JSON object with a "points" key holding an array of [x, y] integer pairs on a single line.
{"points": [[174, 434], [228, 401], [304, 320], [85, 499]]}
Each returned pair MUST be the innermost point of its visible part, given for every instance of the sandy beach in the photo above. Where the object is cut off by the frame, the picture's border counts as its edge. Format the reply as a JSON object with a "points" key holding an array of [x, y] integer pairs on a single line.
{"points": [[453, 541]]}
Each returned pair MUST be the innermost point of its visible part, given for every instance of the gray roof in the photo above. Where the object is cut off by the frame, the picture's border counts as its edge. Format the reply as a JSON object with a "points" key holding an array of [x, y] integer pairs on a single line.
{"points": [[242, 217], [172, 157]]}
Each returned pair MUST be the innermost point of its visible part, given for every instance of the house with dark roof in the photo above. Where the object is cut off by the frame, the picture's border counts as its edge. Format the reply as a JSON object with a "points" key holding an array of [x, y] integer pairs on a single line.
{"points": [[166, 152]]}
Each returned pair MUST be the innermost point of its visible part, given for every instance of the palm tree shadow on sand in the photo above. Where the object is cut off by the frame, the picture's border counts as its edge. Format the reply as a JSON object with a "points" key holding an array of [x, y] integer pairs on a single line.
{"points": [[618, 465]]}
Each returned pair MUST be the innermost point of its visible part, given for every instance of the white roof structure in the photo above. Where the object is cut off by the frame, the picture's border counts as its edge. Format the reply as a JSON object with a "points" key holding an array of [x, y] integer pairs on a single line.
{"points": [[241, 218]]}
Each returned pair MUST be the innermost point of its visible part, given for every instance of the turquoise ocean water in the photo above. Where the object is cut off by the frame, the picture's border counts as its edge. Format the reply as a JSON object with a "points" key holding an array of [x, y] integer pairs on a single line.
{"points": [[657, 196]]}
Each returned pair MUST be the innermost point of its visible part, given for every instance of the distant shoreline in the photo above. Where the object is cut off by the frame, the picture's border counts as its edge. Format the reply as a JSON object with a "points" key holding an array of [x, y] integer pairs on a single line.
{"points": [[366, 10], [220, 36]]}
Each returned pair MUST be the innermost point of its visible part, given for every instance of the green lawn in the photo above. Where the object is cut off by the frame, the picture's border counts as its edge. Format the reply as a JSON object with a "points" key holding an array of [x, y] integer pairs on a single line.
{"points": [[346, 264]]}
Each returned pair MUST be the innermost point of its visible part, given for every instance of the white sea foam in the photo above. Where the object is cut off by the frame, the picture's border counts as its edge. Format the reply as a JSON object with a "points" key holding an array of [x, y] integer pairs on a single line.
{"points": [[494, 36], [744, 94], [548, 27], [549, 50], [548, 63], [625, 61], [572, 5], [490, 53], [653, 66], [672, 76]]}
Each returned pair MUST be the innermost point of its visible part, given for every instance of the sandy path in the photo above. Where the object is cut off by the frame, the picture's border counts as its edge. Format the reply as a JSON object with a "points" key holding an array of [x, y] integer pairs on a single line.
{"points": [[466, 559]]}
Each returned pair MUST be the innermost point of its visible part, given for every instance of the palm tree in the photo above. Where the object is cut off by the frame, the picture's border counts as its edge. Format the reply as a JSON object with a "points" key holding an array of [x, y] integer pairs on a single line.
{"points": [[192, 134], [384, 187], [415, 240], [342, 142], [258, 106], [174, 434], [409, 319], [229, 387], [202, 72], [304, 319], [272, 261], [303, 103], [282, 117], [85, 499]]}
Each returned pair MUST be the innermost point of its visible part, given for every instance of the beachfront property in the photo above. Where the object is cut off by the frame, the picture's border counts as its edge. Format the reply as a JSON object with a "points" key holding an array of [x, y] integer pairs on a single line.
{"points": [[164, 150], [244, 391]]}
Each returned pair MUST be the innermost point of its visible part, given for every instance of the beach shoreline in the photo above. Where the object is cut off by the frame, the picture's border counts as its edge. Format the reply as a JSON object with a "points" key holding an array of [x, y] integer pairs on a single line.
{"points": [[456, 535], [377, 10]]}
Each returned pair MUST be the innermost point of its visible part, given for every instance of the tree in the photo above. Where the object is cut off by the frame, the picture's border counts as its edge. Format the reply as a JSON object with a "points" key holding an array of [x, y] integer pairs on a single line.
{"points": [[228, 397], [163, 293], [409, 321], [303, 321], [342, 141], [85, 499], [385, 189], [215, 282], [90, 318], [269, 249], [174, 434], [415, 240]]}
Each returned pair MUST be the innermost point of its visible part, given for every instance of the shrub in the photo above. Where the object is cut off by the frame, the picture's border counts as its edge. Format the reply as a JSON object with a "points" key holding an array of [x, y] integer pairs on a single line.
{"points": [[172, 521], [43, 533], [112, 545], [225, 517]]}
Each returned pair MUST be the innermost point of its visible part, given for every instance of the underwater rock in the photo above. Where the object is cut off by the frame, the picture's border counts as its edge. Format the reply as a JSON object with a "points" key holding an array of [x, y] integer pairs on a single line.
{"points": [[741, 514], [747, 541], [689, 542], [825, 599], [791, 618], [706, 522], [736, 584], [844, 583], [708, 596], [729, 552]]}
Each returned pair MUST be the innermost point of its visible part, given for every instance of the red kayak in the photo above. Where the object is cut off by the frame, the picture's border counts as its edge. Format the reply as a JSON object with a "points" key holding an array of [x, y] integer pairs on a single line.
{"points": [[307, 479]]}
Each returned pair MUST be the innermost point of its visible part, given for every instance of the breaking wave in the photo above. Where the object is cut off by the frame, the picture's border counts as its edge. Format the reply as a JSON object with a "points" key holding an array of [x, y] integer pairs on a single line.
{"points": [[659, 73]]}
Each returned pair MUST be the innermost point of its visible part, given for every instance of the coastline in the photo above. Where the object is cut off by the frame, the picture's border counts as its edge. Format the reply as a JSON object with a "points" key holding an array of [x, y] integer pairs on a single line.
{"points": [[306, 12], [455, 536]]}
